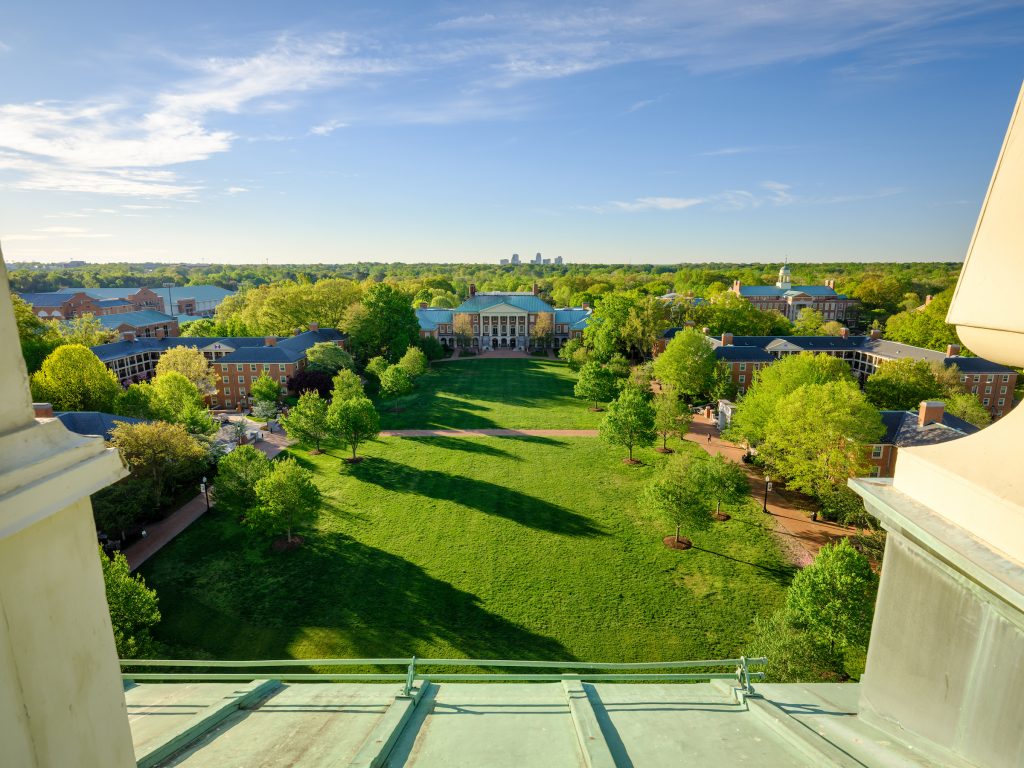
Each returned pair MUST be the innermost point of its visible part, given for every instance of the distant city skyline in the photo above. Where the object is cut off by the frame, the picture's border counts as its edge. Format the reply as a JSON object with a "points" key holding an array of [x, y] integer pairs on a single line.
{"points": [[638, 132]]}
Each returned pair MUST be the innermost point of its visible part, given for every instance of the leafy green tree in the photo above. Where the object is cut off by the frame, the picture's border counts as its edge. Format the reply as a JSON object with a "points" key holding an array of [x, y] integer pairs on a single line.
{"points": [[287, 499], [597, 384], [966, 406], [432, 348], [627, 324], [376, 367], [542, 331], [924, 326], [414, 362], [817, 436], [629, 421], [37, 340], [118, 507], [159, 454], [139, 401], [793, 655], [678, 495], [237, 474], [834, 597], [810, 322], [574, 353], [72, 378], [190, 363], [134, 608], [354, 421], [386, 326], [177, 398], [902, 384], [772, 383], [84, 329], [726, 483], [328, 357], [196, 420], [346, 386], [671, 419], [688, 365], [727, 312], [394, 383], [307, 421], [462, 327], [265, 389]]}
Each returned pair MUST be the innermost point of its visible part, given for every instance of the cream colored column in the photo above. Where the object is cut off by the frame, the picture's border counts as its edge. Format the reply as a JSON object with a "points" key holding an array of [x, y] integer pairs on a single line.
{"points": [[61, 700]]}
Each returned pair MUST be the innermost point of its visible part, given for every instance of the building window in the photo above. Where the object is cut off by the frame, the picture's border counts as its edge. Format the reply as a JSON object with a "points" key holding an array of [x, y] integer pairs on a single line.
{"points": [[252, 367], [985, 401], [876, 471], [284, 379], [224, 379], [241, 393], [743, 378], [977, 379], [1006, 378], [876, 451], [1002, 390], [241, 379], [988, 390], [227, 391], [974, 390], [266, 367], [989, 379], [743, 366], [239, 367]]}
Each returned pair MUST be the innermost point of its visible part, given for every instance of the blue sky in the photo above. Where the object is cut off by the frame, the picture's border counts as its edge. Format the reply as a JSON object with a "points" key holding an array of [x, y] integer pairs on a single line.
{"points": [[635, 131]]}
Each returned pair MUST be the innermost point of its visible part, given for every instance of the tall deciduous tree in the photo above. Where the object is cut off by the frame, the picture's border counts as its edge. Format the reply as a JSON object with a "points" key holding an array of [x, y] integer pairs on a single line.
{"points": [[36, 337], [376, 366], [462, 327], [354, 421], [237, 474], [574, 353], [688, 365], [817, 436], [328, 357], [394, 383], [386, 326], [902, 384], [774, 382], [834, 597], [265, 389], [178, 400], [72, 378], [924, 326], [967, 407], [346, 386], [671, 419], [307, 421], [810, 322], [629, 421], [542, 331], [678, 495], [190, 363], [597, 384], [134, 608], [288, 498], [85, 329], [726, 483], [414, 362], [159, 453]]}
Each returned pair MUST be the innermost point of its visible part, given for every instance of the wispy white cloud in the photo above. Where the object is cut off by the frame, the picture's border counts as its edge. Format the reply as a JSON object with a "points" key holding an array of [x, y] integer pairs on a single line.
{"points": [[646, 204], [235, 190], [328, 127], [636, 106], [4, 47], [727, 151]]}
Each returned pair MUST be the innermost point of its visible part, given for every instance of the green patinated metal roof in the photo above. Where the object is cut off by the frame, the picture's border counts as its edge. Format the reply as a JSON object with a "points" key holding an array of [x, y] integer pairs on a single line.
{"points": [[524, 301]]}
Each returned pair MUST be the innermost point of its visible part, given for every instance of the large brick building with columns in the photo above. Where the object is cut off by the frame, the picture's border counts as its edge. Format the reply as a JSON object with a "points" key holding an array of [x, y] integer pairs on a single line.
{"points": [[788, 299]]}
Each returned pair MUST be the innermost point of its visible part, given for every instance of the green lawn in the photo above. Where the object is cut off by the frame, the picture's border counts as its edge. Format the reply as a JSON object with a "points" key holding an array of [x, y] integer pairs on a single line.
{"points": [[504, 393], [487, 548]]}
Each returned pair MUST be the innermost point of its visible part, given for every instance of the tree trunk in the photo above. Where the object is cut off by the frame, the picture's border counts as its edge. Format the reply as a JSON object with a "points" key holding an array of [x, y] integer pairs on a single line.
{"points": [[664, 440], [355, 444], [288, 535], [677, 533], [631, 452]]}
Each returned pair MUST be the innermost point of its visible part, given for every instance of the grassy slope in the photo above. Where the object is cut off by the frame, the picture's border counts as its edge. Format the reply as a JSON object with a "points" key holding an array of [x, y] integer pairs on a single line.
{"points": [[498, 393], [508, 548]]}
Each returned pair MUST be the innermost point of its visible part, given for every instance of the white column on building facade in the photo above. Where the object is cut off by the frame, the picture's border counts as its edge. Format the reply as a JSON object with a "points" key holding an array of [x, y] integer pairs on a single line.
{"points": [[61, 700]]}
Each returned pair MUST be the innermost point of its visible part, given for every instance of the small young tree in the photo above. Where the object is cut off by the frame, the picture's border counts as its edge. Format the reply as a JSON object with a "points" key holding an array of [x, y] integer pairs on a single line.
{"points": [[288, 498], [307, 421], [542, 331], [463, 329], [376, 366], [72, 378], [346, 386], [596, 384], [265, 390], [133, 607], [629, 422], [238, 429], [190, 363], [394, 383], [414, 362], [678, 496], [726, 484], [688, 364], [237, 474], [671, 419], [354, 421], [86, 330], [834, 597], [328, 357]]}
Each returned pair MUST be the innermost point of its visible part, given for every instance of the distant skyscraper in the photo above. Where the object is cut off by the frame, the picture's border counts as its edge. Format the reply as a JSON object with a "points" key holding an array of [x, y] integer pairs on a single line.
{"points": [[515, 258], [546, 261], [537, 259], [503, 262], [558, 259]]}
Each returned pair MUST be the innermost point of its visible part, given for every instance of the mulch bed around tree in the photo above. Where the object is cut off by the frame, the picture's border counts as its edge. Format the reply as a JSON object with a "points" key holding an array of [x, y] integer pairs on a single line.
{"points": [[659, 449], [721, 516], [282, 544], [595, 410], [671, 543], [315, 452], [355, 460], [632, 462]]}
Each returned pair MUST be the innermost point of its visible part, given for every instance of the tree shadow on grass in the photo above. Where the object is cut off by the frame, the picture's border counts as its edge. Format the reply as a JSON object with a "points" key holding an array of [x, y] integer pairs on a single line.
{"points": [[467, 444], [486, 497], [781, 574]]}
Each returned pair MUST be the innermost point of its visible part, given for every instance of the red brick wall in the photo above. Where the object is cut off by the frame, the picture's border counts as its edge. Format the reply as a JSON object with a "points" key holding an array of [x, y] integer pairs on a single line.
{"points": [[247, 376]]}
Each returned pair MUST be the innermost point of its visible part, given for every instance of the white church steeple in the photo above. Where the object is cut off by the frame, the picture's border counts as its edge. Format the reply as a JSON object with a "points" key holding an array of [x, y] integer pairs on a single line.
{"points": [[784, 282]]}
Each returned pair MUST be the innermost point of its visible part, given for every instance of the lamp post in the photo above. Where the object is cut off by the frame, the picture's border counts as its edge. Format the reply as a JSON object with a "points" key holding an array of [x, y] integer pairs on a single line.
{"points": [[767, 487], [205, 488]]}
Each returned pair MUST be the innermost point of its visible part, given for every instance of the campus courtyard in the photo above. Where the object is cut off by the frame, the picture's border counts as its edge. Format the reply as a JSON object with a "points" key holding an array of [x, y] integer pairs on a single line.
{"points": [[485, 547]]}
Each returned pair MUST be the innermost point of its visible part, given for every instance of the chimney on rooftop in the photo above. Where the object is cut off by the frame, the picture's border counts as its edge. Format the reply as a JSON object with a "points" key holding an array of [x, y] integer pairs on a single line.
{"points": [[472, 290], [688, 324], [952, 350], [726, 339], [875, 334], [928, 299], [930, 411], [535, 289], [830, 284], [127, 335], [844, 333], [705, 330], [270, 341], [43, 410], [736, 286], [314, 326], [585, 305], [423, 305]]}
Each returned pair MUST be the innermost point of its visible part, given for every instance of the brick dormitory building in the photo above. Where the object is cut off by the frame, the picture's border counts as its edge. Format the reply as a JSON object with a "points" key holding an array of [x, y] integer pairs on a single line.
{"points": [[237, 361], [788, 299], [993, 384]]}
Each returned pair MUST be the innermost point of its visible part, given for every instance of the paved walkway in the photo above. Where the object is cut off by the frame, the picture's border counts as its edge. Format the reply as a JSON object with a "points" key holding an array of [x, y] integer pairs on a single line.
{"points": [[489, 433], [164, 531]]}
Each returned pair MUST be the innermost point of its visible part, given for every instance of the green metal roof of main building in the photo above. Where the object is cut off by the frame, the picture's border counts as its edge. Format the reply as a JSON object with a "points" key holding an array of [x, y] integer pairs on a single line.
{"points": [[527, 302]]}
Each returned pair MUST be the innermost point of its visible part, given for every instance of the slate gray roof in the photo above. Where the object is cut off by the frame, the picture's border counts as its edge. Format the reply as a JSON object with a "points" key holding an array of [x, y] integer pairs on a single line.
{"points": [[795, 290], [902, 430], [51, 299], [247, 349], [136, 319], [198, 292], [744, 354], [524, 301], [113, 303], [93, 422]]}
